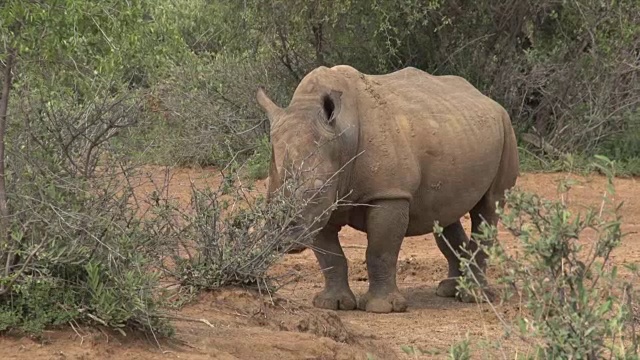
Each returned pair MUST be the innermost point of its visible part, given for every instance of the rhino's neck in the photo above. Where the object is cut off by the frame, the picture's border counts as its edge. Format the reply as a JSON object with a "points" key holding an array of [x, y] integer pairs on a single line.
{"points": [[349, 139]]}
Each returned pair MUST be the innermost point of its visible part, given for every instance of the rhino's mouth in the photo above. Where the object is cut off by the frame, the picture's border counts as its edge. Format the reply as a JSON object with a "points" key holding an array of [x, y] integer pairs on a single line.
{"points": [[296, 235], [296, 249], [292, 237], [291, 249]]}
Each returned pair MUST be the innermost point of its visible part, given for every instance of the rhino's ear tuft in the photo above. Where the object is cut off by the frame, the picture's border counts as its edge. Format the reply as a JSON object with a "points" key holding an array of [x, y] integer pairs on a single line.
{"points": [[331, 104]]}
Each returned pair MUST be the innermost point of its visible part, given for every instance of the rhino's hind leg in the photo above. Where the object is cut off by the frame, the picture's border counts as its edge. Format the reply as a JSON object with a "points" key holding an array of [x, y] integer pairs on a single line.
{"points": [[386, 225], [484, 211], [336, 294], [450, 243]]}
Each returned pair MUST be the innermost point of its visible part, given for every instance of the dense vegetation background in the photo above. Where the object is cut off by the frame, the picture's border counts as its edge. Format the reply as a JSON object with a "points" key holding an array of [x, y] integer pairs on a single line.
{"points": [[91, 88], [567, 71]]}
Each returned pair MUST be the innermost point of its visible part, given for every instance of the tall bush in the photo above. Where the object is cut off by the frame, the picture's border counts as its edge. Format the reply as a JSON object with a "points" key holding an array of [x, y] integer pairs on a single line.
{"points": [[72, 76], [574, 302]]}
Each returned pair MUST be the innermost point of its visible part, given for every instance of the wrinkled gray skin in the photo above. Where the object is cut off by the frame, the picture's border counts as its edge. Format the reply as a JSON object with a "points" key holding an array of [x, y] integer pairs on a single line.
{"points": [[417, 147]]}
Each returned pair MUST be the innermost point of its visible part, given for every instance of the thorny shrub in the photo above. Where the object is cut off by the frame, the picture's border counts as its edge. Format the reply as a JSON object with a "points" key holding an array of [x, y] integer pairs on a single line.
{"points": [[575, 303], [229, 236], [76, 250], [87, 247], [76, 246]]}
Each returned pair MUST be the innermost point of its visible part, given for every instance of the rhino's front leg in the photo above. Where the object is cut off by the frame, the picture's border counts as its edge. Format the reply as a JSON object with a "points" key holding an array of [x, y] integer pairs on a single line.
{"points": [[336, 294], [386, 227]]}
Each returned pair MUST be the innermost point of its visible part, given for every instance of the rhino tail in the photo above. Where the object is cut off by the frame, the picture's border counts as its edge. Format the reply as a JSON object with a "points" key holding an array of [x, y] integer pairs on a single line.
{"points": [[508, 170]]}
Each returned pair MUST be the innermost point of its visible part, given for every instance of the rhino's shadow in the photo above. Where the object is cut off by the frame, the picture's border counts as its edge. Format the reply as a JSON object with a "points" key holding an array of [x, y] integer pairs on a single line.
{"points": [[424, 297]]}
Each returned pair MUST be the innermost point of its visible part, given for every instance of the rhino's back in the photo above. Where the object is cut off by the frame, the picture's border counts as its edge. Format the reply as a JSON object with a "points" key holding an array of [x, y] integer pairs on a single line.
{"points": [[433, 139], [415, 89]]}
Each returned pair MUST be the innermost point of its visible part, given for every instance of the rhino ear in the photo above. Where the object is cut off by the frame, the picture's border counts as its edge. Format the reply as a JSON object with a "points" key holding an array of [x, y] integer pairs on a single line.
{"points": [[266, 104], [331, 104]]}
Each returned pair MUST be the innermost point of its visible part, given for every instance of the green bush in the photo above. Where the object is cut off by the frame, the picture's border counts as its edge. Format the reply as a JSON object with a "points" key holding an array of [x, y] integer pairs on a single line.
{"points": [[575, 304], [80, 253]]}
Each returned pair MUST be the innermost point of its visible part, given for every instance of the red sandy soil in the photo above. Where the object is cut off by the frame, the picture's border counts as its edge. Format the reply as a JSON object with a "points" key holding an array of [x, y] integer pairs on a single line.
{"points": [[286, 326]]}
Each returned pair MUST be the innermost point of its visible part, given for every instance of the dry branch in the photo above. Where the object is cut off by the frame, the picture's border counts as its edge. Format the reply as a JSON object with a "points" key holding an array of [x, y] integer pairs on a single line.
{"points": [[540, 143]]}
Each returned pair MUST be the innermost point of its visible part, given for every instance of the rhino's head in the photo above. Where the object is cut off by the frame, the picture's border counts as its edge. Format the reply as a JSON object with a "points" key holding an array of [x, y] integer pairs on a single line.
{"points": [[305, 142]]}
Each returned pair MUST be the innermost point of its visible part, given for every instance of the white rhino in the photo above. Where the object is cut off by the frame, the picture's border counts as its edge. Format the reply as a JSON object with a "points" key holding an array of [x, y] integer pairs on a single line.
{"points": [[411, 148]]}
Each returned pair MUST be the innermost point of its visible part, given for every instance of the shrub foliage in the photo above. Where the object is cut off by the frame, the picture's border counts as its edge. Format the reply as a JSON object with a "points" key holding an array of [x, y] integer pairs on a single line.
{"points": [[575, 303]]}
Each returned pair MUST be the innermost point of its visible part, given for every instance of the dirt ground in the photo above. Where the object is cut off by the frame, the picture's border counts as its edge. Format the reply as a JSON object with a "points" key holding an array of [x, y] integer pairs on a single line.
{"points": [[242, 325]]}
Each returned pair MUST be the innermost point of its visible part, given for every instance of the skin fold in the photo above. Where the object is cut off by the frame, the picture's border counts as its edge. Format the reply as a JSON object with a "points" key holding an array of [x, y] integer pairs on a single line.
{"points": [[405, 149]]}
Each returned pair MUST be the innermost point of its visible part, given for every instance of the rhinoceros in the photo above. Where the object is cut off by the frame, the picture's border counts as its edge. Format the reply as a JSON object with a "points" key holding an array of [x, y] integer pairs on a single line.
{"points": [[407, 149]]}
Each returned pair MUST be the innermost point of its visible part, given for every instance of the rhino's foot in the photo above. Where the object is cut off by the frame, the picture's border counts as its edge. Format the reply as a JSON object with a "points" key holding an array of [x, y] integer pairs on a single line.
{"points": [[335, 300], [393, 302], [447, 288]]}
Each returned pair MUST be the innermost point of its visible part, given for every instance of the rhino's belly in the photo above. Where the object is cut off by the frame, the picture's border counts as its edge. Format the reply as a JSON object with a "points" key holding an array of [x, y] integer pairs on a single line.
{"points": [[437, 199], [449, 195], [423, 215], [454, 174]]}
